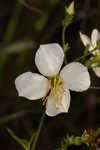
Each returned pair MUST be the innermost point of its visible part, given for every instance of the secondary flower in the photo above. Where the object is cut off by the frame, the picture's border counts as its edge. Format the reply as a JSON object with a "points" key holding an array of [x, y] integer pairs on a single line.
{"points": [[95, 36], [54, 91]]}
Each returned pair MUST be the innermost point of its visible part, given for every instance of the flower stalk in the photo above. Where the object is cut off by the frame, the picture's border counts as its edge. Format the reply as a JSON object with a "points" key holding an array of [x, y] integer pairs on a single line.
{"points": [[38, 131], [69, 12]]}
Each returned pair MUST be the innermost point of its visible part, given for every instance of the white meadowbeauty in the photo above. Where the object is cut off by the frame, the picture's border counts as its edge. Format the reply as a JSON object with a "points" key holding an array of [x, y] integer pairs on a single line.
{"points": [[95, 36], [53, 90]]}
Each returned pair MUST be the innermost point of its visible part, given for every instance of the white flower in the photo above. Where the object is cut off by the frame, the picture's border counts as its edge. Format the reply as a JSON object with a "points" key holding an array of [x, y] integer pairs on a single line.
{"points": [[95, 36], [54, 90]]}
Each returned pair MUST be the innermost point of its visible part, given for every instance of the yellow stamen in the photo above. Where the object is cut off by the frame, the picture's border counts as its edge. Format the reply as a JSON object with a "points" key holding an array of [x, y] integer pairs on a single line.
{"points": [[61, 96], [57, 100], [55, 80], [60, 86], [56, 90], [53, 90], [59, 81]]}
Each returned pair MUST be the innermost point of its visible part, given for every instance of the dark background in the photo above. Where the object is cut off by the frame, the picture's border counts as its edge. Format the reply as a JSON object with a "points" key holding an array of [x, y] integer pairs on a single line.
{"points": [[22, 29]]}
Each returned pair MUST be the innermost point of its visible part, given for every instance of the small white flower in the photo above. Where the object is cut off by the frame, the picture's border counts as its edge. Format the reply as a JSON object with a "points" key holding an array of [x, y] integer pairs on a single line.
{"points": [[95, 36], [54, 90]]}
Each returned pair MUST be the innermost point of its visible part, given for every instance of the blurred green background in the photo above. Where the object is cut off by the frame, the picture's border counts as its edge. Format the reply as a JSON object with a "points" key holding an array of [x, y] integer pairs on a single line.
{"points": [[24, 25]]}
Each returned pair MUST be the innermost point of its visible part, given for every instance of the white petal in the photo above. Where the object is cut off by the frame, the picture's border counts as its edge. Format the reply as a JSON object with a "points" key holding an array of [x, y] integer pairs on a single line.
{"points": [[76, 76], [51, 109], [31, 85], [85, 39], [49, 58], [96, 69], [95, 36]]}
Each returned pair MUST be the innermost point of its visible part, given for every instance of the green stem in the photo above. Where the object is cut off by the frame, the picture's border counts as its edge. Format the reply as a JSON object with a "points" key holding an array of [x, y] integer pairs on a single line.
{"points": [[30, 142], [16, 138], [64, 43], [95, 88], [38, 131], [85, 55], [81, 58], [63, 37]]}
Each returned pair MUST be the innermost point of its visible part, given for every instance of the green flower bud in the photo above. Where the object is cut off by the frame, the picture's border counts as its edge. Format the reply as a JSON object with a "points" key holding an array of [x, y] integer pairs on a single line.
{"points": [[70, 9]]}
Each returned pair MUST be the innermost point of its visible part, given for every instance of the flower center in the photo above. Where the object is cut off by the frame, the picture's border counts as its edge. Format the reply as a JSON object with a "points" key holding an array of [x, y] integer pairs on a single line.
{"points": [[55, 90]]}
